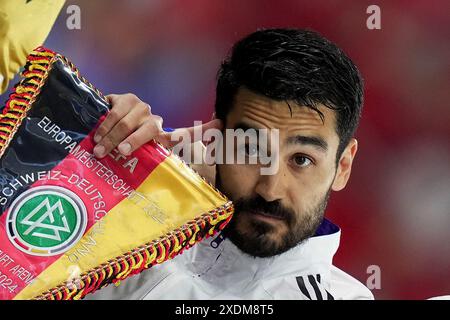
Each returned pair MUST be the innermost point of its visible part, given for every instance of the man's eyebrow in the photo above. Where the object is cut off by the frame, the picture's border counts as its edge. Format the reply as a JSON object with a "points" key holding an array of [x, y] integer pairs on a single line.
{"points": [[244, 126], [317, 142]]}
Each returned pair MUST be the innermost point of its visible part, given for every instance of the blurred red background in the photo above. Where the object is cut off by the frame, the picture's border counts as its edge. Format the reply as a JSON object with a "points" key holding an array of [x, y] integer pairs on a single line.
{"points": [[395, 212]]}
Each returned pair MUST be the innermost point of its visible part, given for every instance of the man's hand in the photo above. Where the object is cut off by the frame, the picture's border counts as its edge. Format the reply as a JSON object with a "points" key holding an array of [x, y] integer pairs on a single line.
{"points": [[131, 123]]}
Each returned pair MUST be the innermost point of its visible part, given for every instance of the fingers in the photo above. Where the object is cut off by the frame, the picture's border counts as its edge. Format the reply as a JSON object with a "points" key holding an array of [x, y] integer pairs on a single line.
{"points": [[120, 131], [127, 114], [130, 124], [121, 106], [141, 136]]}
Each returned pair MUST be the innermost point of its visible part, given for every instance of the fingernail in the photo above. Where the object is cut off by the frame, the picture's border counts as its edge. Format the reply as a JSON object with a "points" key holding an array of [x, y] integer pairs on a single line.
{"points": [[99, 150], [97, 138], [124, 148], [167, 129]]}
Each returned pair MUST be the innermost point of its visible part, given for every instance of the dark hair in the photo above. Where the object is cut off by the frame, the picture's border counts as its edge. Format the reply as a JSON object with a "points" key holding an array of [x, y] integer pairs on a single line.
{"points": [[298, 65]]}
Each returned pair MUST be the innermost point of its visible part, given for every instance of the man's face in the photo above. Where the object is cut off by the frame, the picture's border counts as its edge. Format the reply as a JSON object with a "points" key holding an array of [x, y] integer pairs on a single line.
{"points": [[276, 212]]}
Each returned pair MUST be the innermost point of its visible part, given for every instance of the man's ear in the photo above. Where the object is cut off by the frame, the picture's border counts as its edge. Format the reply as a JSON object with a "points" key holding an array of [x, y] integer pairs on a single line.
{"points": [[344, 166]]}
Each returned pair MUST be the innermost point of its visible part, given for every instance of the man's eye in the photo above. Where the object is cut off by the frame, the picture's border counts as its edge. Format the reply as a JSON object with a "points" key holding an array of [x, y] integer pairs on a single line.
{"points": [[302, 161], [251, 150]]}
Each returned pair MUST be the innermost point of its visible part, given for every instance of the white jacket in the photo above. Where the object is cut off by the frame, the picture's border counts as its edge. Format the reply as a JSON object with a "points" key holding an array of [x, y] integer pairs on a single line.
{"points": [[217, 269]]}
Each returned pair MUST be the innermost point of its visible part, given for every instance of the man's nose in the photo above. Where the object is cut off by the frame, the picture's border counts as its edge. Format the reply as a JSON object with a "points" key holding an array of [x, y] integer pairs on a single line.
{"points": [[273, 187]]}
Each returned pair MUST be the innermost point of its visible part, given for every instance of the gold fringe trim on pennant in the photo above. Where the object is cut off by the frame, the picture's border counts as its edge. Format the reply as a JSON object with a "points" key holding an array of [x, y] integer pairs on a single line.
{"points": [[36, 71], [144, 257]]}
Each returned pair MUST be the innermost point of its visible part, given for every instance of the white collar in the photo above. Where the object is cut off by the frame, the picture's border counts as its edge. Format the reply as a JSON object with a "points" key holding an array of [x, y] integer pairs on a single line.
{"points": [[229, 261]]}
